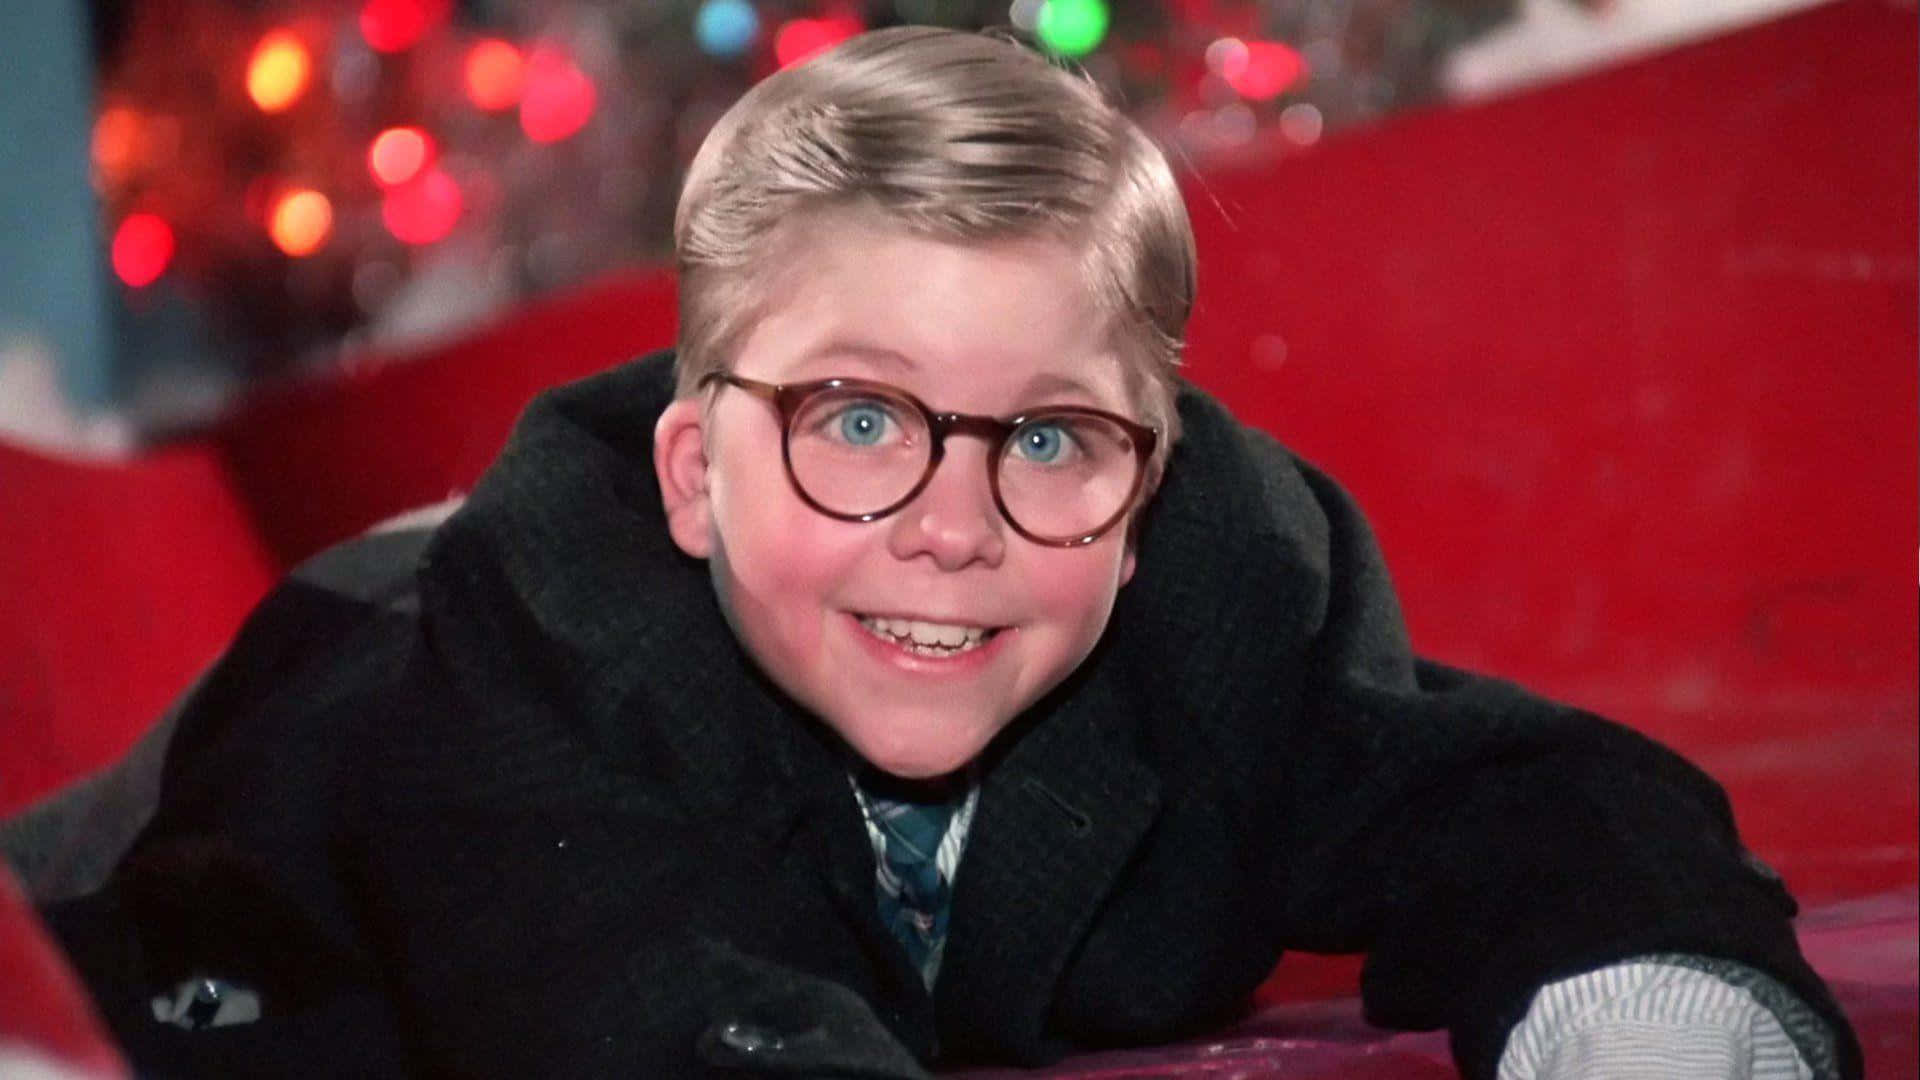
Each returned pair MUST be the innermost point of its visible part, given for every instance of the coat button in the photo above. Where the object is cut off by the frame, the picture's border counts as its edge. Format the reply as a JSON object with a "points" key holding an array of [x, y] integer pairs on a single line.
{"points": [[751, 1038], [205, 1004]]}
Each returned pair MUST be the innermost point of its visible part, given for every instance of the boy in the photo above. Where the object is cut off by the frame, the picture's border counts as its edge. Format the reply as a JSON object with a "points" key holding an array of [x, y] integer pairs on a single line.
{"points": [[888, 689]]}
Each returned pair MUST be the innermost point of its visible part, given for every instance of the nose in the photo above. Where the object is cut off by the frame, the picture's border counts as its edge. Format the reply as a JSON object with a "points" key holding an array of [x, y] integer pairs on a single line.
{"points": [[953, 520]]}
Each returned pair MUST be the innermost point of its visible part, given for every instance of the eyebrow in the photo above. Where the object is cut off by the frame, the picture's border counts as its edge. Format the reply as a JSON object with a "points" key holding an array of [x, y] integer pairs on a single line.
{"points": [[1044, 387], [1051, 384], [860, 350]]}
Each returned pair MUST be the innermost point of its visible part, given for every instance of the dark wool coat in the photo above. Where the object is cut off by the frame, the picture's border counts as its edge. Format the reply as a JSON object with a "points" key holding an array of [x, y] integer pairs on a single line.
{"points": [[531, 812]]}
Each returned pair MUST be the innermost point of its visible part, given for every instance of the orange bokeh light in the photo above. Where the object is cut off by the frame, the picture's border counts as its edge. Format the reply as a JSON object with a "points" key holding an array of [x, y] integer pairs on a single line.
{"points": [[300, 221], [142, 248], [398, 154], [116, 140], [278, 71], [494, 75]]}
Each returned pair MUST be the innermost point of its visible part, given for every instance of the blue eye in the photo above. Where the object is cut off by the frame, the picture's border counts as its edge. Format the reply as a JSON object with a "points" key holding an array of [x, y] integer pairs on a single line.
{"points": [[863, 424], [1041, 443]]}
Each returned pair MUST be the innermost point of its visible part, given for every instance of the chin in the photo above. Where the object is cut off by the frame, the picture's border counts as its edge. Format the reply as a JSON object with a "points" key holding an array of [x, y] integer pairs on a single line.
{"points": [[918, 766], [913, 760]]}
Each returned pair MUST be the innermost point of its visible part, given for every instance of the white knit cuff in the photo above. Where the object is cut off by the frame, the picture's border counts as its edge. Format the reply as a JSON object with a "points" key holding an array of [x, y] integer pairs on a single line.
{"points": [[1651, 1017]]}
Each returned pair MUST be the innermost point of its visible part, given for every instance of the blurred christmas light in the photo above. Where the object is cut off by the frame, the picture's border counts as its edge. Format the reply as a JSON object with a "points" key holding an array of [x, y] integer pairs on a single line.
{"points": [[142, 248], [395, 25], [1302, 123], [556, 212], [1268, 69], [494, 75], [1071, 27], [301, 221], [398, 154], [424, 210], [557, 99], [1227, 57], [1234, 124], [725, 27], [798, 39], [1215, 92], [1025, 14], [278, 71], [116, 142]]}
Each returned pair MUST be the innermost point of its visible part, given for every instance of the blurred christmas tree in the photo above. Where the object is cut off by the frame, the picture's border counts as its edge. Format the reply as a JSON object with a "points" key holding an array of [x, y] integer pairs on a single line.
{"points": [[308, 177]]}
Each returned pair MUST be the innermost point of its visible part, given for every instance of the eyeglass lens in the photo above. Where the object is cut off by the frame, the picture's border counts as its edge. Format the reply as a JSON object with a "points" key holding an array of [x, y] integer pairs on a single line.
{"points": [[857, 450]]}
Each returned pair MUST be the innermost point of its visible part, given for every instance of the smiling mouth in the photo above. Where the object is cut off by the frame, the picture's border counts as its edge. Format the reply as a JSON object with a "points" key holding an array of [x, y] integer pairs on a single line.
{"points": [[928, 638]]}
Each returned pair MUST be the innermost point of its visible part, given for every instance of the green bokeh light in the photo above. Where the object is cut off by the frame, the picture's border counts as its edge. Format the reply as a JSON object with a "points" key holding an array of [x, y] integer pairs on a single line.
{"points": [[1072, 27]]}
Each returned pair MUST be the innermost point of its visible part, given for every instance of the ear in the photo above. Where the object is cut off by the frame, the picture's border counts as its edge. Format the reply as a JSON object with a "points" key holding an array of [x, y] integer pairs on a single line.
{"points": [[1130, 557], [680, 464]]}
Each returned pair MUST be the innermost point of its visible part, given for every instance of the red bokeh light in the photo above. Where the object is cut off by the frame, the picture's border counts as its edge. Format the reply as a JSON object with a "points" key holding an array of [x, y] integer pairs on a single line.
{"points": [[798, 39], [494, 74], [557, 98], [398, 154], [1268, 70], [142, 248], [423, 210], [393, 25]]}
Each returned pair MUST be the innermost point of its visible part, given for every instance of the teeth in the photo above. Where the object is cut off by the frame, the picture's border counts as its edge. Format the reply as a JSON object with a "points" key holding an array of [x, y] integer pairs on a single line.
{"points": [[926, 638]]}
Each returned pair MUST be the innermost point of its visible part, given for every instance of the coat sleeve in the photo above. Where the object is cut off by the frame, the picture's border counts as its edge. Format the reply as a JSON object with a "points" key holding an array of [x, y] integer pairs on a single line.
{"points": [[316, 844], [233, 878], [1478, 842]]}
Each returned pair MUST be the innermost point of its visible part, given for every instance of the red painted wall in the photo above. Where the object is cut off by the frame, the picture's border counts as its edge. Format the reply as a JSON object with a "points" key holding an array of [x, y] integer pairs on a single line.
{"points": [[1625, 373], [118, 583]]}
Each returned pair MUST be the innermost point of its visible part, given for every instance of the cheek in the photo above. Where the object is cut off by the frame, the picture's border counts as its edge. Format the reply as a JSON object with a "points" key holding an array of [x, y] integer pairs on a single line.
{"points": [[782, 561], [1076, 588], [753, 508]]}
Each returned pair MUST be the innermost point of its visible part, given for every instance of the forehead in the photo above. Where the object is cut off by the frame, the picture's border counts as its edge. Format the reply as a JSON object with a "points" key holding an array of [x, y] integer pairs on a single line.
{"points": [[974, 326]]}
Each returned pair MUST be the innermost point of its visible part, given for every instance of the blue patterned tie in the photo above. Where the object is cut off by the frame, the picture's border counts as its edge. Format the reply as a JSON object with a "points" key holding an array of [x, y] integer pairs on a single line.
{"points": [[911, 891]]}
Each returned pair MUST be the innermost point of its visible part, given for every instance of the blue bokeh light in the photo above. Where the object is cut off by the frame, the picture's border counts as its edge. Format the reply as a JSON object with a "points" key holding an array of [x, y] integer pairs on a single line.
{"points": [[725, 27]]}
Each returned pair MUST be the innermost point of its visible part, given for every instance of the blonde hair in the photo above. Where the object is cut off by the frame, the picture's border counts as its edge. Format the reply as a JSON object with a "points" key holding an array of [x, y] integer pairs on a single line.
{"points": [[958, 136]]}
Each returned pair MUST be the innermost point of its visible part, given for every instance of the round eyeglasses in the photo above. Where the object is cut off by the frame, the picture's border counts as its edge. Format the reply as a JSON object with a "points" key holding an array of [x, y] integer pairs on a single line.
{"points": [[856, 450]]}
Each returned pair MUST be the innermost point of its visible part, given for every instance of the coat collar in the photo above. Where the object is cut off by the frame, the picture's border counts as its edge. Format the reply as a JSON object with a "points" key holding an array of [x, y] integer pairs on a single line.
{"points": [[558, 581], [1062, 809]]}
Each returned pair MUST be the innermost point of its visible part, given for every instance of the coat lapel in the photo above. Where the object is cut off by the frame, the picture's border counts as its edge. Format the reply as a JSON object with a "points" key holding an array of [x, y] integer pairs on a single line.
{"points": [[1059, 817]]}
